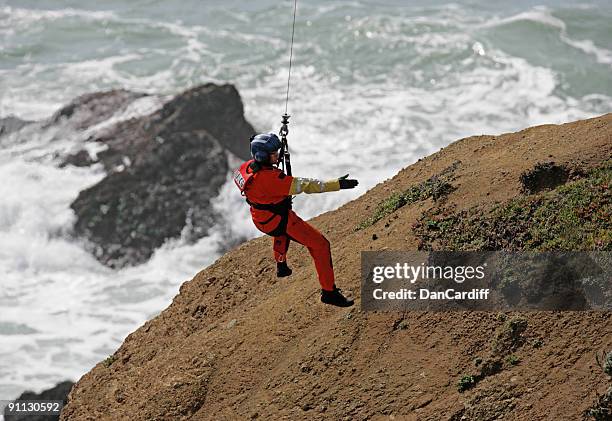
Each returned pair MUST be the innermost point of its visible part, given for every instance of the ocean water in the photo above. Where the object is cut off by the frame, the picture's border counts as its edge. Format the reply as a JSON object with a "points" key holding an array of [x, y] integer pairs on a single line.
{"points": [[375, 86]]}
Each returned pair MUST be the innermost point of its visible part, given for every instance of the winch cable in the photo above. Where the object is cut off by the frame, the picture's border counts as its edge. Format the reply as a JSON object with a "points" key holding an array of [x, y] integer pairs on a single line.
{"points": [[285, 157], [290, 55]]}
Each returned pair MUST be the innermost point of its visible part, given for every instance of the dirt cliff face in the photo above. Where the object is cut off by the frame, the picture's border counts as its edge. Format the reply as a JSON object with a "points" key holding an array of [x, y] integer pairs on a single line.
{"points": [[238, 343]]}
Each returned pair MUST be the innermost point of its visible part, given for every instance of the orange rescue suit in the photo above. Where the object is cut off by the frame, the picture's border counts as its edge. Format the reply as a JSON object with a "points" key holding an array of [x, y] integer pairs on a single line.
{"points": [[268, 190]]}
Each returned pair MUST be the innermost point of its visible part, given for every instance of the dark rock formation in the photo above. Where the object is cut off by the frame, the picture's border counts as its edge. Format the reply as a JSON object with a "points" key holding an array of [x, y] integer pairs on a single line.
{"points": [[78, 159], [216, 109], [11, 124], [163, 171], [57, 393], [91, 109], [131, 213]]}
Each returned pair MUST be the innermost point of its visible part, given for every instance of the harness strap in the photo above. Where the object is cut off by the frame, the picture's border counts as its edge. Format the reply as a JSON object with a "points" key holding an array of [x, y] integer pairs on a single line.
{"points": [[279, 208]]}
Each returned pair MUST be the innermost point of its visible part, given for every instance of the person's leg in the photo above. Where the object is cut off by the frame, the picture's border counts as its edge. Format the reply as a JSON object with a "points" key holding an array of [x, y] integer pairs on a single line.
{"points": [[317, 245], [280, 247]]}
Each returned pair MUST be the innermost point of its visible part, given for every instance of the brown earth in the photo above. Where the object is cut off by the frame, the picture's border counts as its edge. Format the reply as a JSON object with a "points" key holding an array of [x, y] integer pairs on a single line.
{"points": [[238, 343]]}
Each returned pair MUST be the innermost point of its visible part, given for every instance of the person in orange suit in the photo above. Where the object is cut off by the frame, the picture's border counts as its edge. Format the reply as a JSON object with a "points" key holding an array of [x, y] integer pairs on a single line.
{"points": [[268, 191]]}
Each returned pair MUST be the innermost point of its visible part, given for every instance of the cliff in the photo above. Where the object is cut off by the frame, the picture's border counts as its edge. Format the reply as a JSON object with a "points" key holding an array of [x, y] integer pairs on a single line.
{"points": [[238, 343]]}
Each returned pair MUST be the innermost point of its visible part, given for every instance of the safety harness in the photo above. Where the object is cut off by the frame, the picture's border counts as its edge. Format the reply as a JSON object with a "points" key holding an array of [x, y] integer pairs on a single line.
{"points": [[242, 178]]}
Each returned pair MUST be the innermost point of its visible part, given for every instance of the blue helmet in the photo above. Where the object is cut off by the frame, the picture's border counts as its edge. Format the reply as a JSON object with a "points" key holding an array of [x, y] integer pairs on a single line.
{"points": [[262, 145]]}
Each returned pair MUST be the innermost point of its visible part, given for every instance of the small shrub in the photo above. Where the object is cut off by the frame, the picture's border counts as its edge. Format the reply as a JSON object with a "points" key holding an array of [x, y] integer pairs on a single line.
{"points": [[608, 364], [109, 361], [605, 362], [602, 408], [510, 336], [513, 359], [466, 382], [516, 325]]}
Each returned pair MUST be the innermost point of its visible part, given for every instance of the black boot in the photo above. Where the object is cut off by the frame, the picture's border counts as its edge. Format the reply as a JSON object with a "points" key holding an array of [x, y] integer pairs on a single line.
{"points": [[335, 298], [282, 269]]}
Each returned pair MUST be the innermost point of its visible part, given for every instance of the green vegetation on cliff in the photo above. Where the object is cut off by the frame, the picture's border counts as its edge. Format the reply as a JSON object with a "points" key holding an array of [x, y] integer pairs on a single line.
{"points": [[573, 216]]}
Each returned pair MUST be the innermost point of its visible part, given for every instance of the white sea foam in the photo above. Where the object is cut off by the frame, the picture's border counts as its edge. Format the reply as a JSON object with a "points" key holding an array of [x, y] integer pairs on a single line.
{"points": [[602, 55], [543, 15], [17, 16], [72, 311], [539, 14]]}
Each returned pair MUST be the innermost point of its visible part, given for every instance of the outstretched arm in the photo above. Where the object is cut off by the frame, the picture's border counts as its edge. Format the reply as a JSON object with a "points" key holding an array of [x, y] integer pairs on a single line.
{"points": [[311, 185]]}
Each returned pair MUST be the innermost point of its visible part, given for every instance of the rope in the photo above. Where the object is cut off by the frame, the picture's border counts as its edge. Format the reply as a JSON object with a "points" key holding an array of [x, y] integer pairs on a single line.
{"points": [[290, 55]]}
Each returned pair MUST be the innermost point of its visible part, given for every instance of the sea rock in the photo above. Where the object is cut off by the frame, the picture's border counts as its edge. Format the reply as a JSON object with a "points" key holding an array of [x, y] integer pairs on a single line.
{"points": [[130, 213], [11, 124], [58, 393], [163, 169], [91, 109], [216, 109]]}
